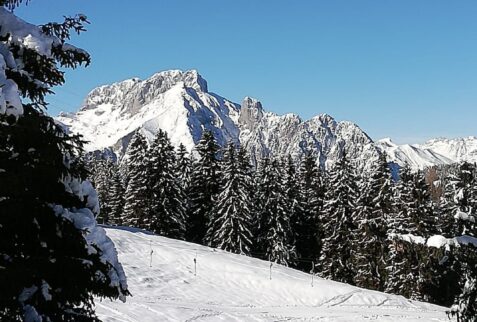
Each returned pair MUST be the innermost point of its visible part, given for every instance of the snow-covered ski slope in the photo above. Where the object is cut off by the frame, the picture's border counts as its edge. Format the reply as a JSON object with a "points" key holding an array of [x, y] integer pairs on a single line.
{"points": [[231, 287]]}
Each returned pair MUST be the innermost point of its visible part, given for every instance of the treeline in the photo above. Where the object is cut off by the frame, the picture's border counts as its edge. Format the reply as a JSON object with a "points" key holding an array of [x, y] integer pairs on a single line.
{"points": [[363, 229]]}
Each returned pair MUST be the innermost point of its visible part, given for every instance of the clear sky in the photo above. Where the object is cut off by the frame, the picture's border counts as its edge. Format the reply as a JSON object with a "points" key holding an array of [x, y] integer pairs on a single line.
{"points": [[405, 69]]}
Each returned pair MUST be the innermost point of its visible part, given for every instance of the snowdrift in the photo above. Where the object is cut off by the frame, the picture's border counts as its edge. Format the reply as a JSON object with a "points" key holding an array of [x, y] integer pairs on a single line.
{"points": [[166, 286]]}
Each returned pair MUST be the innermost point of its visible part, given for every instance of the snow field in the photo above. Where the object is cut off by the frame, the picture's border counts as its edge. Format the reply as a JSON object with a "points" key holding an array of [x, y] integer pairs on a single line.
{"points": [[230, 287]]}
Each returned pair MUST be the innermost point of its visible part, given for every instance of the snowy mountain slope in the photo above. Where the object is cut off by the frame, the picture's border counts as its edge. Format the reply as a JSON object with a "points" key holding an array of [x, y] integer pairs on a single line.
{"points": [[231, 287], [417, 157], [461, 149], [174, 101], [180, 104], [433, 152]]}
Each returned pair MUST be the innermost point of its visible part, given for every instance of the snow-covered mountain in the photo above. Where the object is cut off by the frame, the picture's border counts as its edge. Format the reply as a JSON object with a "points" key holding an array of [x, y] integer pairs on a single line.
{"points": [[433, 152], [229, 287], [180, 103], [461, 149]]}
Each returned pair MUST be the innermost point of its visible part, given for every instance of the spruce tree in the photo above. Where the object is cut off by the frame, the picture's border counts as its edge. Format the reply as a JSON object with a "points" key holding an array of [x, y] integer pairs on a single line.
{"points": [[465, 305], [204, 187], [135, 204], [53, 257], [165, 205], [374, 210], [338, 220], [274, 240], [459, 204], [230, 226], [116, 196], [305, 223], [183, 167]]}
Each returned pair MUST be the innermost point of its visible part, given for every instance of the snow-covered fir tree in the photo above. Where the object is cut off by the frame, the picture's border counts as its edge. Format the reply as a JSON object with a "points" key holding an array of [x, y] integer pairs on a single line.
{"points": [[292, 191], [459, 205], [135, 204], [465, 306], [338, 220], [48, 269], [230, 225], [305, 222], [165, 204], [274, 238], [116, 197], [204, 186], [183, 167], [375, 207], [403, 268]]}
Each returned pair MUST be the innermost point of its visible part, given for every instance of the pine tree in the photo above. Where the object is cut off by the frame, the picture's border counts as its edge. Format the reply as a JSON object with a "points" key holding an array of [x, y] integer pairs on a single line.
{"points": [[116, 197], [166, 212], [305, 223], [374, 211], [135, 205], [465, 306], [274, 239], [204, 187], [183, 167], [459, 204], [338, 224], [47, 269], [230, 228]]}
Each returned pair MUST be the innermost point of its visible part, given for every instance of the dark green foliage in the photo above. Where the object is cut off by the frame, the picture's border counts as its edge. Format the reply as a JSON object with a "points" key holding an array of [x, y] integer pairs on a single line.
{"points": [[338, 220], [374, 210], [47, 267], [305, 220], [465, 305], [37, 246], [135, 207], [204, 187], [274, 239], [165, 197], [230, 225]]}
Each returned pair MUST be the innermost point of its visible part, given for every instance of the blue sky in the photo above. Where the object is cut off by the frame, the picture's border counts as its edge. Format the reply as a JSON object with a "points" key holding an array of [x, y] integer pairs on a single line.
{"points": [[405, 69]]}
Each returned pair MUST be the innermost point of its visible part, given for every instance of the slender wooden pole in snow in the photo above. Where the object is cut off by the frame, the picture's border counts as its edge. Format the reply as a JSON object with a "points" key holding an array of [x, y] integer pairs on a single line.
{"points": [[271, 264], [150, 245], [195, 264], [312, 273]]}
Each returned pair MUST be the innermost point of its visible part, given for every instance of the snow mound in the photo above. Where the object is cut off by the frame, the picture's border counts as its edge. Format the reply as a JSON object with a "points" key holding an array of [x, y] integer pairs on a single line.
{"points": [[231, 287]]}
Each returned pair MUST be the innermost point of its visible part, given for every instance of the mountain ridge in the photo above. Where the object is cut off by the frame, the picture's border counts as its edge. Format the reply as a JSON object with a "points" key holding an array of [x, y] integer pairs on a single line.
{"points": [[179, 102]]}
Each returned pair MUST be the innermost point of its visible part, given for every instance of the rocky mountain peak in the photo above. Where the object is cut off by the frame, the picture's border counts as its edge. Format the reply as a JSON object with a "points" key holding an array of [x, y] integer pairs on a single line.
{"points": [[251, 112]]}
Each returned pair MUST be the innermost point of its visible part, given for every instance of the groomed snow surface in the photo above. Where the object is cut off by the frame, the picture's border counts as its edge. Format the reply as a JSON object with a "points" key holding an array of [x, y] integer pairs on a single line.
{"points": [[231, 287]]}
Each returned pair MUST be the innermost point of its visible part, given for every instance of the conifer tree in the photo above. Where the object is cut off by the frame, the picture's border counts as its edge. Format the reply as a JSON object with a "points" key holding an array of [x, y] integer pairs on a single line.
{"points": [[204, 187], [305, 223], [183, 167], [165, 205], [459, 205], [338, 224], [116, 197], [230, 227], [135, 205], [273, 240], [465, 305], [47, 269], [374, 211]]}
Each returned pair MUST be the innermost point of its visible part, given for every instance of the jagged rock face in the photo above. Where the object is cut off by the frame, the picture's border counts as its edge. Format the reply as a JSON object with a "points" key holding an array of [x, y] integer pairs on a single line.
{"points": [[174, 101], [180, 104]]}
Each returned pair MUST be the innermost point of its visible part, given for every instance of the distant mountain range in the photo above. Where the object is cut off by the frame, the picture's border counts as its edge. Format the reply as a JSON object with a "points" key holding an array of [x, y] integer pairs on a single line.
{"points": [[180, 103]]}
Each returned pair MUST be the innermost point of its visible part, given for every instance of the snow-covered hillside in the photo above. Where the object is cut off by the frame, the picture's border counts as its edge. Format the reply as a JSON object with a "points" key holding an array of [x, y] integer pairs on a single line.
{"points": [[231, 287], [433, 152]]}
